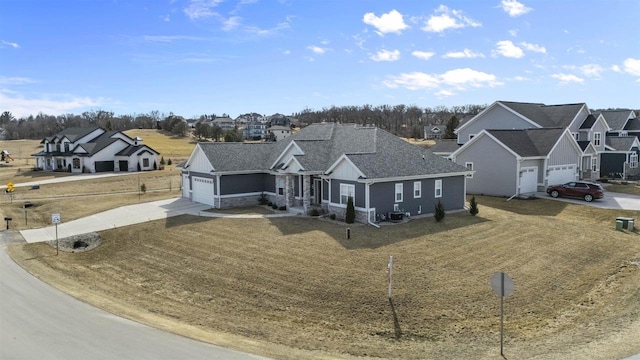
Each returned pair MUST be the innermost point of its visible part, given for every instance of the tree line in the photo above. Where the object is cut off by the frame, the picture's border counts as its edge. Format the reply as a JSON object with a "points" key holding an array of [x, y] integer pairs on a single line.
{"points": [[401, 120]]}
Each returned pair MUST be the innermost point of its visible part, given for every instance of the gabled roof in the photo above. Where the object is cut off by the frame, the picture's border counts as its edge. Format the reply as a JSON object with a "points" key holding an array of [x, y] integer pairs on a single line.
{"points": [[633, 124], [620, 143], [617, 119], [529, 142], [72, 133], [547, 116], [588, 122], [584, 144], [132, 149], [377, 153]]}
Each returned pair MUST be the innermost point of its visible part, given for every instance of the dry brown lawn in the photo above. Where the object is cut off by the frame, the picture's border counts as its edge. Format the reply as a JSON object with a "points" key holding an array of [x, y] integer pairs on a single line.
{"points": [[420, 142], [175, 148], [295, 288], [630, 188]]}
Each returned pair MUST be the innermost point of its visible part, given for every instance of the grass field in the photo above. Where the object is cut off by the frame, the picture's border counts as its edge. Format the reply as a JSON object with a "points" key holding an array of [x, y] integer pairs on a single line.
{"points": [[296, 288], [175, 148]]}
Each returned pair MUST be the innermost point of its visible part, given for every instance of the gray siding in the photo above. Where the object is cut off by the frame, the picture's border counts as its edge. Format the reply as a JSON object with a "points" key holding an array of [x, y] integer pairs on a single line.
{"points": [[382, 195], [565, 153], [269, 183], [495, 174], [496, 118], [612, 164], [359, 188], [240, 184]]}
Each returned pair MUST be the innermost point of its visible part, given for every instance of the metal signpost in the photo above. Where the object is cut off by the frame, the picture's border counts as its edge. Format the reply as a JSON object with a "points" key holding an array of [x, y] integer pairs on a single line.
{"points": [[390, 270], [55, 219], [502, 284]]}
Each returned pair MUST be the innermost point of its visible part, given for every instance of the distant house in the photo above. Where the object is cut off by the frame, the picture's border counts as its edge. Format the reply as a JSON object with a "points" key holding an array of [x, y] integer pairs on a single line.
{"points": [[323, 165], [620, 160], [255, 130], [279, 120], [277, 133], [225, 123], [434, 132], [94, 149]]}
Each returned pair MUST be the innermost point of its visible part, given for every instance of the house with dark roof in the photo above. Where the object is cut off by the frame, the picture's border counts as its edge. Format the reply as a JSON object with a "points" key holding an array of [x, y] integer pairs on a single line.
{"points": [[620, 160], [519, 162], [433, 132], [323, 165], [94, 149]]}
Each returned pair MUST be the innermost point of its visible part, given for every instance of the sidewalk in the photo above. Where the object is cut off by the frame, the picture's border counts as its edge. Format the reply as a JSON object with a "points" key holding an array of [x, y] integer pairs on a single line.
{"points": [[68, 178], [129, 215]]}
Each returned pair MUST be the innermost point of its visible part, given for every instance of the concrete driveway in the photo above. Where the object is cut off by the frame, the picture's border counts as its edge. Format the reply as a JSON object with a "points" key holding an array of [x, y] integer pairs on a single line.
{"points": [[122, 216], [611, 200]]}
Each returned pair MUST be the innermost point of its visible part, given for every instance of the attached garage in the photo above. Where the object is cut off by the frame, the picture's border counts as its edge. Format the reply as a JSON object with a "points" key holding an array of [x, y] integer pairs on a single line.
{"points": [[202, 190], [561, 174], [104, 166], [528, 180]]}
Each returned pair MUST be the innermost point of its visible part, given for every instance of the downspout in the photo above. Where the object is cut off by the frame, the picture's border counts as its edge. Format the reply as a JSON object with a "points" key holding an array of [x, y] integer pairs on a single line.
{"points": [[367, 205], [218, 191], [517, 182]]}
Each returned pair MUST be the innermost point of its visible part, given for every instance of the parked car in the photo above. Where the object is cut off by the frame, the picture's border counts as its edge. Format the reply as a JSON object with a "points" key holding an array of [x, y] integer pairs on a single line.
{"points": [[577, 189]]}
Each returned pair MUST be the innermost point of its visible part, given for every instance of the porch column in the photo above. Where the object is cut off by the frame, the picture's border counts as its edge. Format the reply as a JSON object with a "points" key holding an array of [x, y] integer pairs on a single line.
{"points": [[289, 189], [306, 192]]}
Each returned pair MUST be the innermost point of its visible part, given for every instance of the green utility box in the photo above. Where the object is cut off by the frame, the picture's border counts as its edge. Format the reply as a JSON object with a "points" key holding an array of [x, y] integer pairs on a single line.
{"points": [[619, 225]]}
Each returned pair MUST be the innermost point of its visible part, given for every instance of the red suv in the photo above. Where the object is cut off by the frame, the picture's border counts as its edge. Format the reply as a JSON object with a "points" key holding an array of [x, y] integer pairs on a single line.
{"points": [[577, 189]]}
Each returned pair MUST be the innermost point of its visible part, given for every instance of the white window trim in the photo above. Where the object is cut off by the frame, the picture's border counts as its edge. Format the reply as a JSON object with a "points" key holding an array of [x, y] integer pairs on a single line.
{"points": [[469, 166], [633, 161], [437, 191], [399, 186], [576, 136], [594, 164], [417, 189], [347, 190], [597, 137]]}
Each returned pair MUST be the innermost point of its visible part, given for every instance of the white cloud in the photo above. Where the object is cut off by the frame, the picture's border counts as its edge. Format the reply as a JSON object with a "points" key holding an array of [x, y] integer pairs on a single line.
{"points": [[448, 19], [386, 55], [616, 68], [444, 93], [391, 22], [198, 9], [21, 107], [286, 52], [591, 70], [16, 80], [533, 47], [457, 79], [632, 66], [514, 8], [424, 55], [460, 78], [231, 23], [567, 78], [413, 81], [466, 53], [521, 78], [12, 44], [513, 33], [507, 49], [268, 32], [317, 49], [169, 38]]}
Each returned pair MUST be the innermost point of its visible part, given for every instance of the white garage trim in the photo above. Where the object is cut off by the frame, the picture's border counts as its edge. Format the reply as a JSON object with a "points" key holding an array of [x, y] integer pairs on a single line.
{"points": [[202, 190], [186, 189], [561, 174], [528, 180]]}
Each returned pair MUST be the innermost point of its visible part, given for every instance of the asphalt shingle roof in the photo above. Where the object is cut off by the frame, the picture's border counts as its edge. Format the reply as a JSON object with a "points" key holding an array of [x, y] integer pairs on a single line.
{"points": [[377, 153], [633, 124], [445, 146], [588, 122], [72, 133], [548, 116], [529, 142], [620, 143], [616, 118]]}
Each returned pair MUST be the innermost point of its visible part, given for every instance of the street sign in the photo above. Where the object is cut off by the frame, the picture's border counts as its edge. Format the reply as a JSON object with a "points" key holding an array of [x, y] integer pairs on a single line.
{"points": [[55, 218], [502, 284]]}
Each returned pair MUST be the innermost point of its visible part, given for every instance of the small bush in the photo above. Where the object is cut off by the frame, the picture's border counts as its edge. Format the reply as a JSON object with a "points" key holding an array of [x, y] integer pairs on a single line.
{"points": [[274, 206], [269, 203], [162, 160], [169, 162], [262, 200], [439, 213], [350, 216], [282, 208], [314, 212], [332, 216], [143, 188], [473, 206]]}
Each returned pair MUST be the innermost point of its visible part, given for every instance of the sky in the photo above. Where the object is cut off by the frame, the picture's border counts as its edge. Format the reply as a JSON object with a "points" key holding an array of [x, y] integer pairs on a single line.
{"points": [[194, 57]]}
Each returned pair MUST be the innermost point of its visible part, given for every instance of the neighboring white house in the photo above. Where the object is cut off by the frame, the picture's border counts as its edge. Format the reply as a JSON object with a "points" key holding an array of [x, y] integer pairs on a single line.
{"points": [[278, 133], [94, 149]]}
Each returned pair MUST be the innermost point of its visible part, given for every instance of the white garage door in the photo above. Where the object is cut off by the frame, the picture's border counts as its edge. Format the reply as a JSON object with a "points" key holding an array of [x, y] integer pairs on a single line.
{"points": [[528, 180], [185, 186], [561, 174], [203, 190]]}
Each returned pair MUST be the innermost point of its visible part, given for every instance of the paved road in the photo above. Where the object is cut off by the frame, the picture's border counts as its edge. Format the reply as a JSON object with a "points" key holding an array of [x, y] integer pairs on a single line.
{"points": [[39, 322], [611, 200]]}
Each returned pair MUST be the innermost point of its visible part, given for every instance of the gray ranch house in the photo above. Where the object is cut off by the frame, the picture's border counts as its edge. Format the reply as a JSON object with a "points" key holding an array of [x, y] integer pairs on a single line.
{"points": [[323, 165], [94, 149]]}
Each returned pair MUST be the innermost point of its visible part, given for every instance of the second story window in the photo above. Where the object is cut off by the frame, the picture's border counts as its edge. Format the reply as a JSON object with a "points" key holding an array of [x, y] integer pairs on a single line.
{"points": [[596, 139]]}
